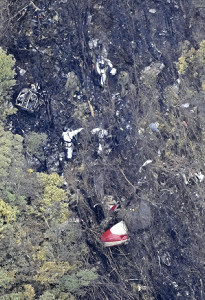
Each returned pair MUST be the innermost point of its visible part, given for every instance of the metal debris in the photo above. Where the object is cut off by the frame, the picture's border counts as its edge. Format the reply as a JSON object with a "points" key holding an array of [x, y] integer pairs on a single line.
{"points": [[27, 100]]}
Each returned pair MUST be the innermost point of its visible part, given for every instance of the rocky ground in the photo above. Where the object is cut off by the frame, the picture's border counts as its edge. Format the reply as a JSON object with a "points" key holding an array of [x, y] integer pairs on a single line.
{"points": [[112, 65]]}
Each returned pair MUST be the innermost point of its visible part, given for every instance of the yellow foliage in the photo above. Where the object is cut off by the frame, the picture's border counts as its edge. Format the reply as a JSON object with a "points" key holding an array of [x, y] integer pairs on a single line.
{"points": [[203, 86], [201, 52], [192, 58], [64, 212], [43, 253], [53, 201], [50, 271], [29, 293], [182, 65], [185, 59], [7, 213], [53, 194], [50, 179]]}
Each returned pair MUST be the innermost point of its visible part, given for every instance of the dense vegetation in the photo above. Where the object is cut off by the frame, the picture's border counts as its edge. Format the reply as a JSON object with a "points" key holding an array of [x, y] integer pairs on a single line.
{"points": [[40, 248]]}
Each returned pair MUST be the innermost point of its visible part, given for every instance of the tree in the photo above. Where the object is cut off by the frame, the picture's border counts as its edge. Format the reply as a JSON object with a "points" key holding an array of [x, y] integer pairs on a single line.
{"points": [[14, 180], [53, 203], [34, 144], [7, 81]]}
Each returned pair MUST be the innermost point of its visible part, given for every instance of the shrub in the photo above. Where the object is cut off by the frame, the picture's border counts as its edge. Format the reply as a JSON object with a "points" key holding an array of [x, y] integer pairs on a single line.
{"points": [[34, 144], [72, 283]]}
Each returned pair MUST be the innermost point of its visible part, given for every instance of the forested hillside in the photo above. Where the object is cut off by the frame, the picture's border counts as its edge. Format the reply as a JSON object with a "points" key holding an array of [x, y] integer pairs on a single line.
{"points": [[102, 121]]}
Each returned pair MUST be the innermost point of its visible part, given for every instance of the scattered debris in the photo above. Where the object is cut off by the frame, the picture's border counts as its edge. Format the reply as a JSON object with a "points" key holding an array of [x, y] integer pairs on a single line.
{"points": [[109, 201], [91, 109], [116, 235], [199, 176], [101, 134], [36, 8], [144, 164], [22, 71], [68, 136], [152, 11], [154, 127], [185, 179], [93, 43], [27, 100], [166, 258], [154, 69], [75, 220], [141, 131], [185, 105], [114, 207]]}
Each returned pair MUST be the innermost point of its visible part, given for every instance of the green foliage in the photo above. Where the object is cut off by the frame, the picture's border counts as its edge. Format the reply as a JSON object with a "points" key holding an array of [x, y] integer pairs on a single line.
{"points": [[13, 178], [5, 278], [34, 144], [47, 296], [12, 296], [72, 283], [7, 81]]}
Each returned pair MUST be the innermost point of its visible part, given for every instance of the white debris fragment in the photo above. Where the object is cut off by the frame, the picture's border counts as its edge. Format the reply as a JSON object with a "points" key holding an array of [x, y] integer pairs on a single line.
{"points": [[154, 126], [100, 148], [153, 69], [141, 131], [103, 77], [93, 43], [185, 105], [199, 176], [152, 11], [149, 161], [185, 179], [22, 71], [68, 137], [113, 71], [101, 134], [117, 113]]}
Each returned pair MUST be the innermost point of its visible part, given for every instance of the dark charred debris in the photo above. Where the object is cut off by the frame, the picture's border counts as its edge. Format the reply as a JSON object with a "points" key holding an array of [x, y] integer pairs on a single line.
{"points": [[109, 69]]}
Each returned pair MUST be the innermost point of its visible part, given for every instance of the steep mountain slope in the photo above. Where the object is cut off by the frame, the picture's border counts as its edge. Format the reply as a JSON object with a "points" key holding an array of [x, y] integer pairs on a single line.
{"points": [[131, 74]]}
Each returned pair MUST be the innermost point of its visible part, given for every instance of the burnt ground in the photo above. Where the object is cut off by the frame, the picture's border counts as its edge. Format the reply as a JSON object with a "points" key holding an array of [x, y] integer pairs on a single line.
{"points": [[163, 211]]}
